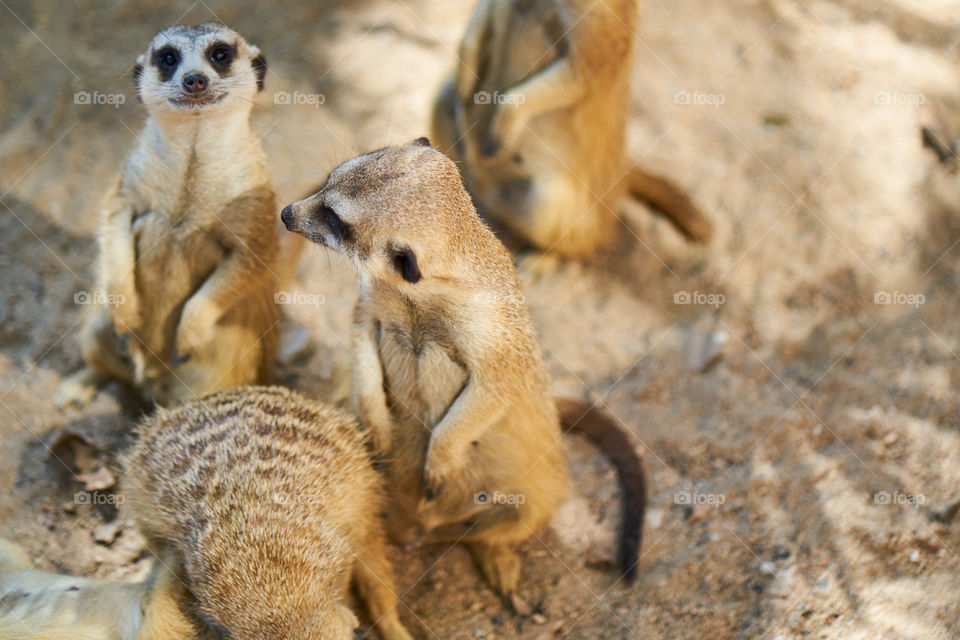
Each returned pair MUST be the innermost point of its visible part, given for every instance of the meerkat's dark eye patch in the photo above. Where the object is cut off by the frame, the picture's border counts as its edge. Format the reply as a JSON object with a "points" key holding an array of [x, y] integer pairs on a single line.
{"points": [[259, 65], [404, 260], [338, 228], [221, 55], [166, 60]]}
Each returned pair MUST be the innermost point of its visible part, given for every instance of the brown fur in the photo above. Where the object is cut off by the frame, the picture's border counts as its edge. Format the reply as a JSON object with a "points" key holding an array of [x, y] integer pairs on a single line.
{"points": [[548, 160], [260, 506], [188, 243], [447, 371]]}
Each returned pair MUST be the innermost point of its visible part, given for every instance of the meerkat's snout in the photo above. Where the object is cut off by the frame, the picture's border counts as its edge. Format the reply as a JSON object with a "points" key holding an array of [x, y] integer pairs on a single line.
{"points": [[195, 83], [316, 222]]}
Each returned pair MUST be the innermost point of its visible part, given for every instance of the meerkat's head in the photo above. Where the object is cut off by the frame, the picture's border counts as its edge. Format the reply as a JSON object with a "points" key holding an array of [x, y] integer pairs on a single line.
{"points": [[199, 70], [400, 215]]}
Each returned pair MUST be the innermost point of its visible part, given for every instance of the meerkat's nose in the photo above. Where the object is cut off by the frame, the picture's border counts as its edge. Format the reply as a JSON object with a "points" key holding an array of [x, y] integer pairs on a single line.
{"points": [[194, 82], [286, 216]]}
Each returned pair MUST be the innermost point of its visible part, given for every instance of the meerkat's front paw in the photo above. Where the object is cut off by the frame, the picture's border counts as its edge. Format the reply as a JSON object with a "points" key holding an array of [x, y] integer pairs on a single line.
{"points": [[78, 389], [441, 466], [504, 129], [195, 330], [126, 313], [499, 565]]}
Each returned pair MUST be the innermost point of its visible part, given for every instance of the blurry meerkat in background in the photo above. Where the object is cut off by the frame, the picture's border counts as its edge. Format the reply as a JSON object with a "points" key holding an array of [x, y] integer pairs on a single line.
{"points": [[535, 115], [260, 505], [186, 271], [447, 371]]}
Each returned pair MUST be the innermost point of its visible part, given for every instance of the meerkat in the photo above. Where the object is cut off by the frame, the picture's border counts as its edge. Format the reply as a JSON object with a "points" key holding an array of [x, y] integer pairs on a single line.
{"points": [[535, 115], [186, 271], [260, 505], [447, 372]]}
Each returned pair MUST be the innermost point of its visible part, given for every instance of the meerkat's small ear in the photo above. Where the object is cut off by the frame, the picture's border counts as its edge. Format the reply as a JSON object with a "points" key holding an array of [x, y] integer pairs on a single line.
{"points": [[422, 142], [137, 73], [259, 64], [405, 262]]}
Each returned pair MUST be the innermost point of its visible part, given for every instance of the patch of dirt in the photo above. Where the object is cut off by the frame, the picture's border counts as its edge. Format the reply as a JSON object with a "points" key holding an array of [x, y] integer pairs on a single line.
{"points": [[797, 482]]}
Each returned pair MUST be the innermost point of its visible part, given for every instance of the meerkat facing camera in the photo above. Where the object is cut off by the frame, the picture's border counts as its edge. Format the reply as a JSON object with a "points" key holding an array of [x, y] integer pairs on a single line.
{"points": [[535, 115], [188, 239], [260, 505], [447, 370]]}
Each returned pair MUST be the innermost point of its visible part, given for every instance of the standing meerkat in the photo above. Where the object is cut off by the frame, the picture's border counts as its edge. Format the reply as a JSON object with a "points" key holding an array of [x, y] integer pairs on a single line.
{"points": [[260, 506], [536, 114], [188, 239], [447, 370]]}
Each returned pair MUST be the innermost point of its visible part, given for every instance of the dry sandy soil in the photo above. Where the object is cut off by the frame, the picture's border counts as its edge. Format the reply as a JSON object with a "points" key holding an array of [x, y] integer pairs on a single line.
{"points": [[824, 440]]}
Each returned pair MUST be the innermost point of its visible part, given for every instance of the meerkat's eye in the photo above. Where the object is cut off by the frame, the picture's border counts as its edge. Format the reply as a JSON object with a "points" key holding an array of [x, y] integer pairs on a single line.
{"points": [[168, 58], [339, 228], [404, 260], [220, 54]]}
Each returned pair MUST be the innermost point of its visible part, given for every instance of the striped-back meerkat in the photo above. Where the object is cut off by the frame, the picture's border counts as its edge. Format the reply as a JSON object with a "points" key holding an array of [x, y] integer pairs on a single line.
{"points": [[447, 371], [260, 505], [536, 114], [188, 238]]}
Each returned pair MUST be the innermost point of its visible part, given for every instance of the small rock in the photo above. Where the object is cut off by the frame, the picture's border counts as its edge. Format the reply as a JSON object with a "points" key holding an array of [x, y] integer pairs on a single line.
{"points": [[539, 618], [107, 533], [767, 568], [520, 605], [703, 349], [781, 552], [914, 555], [479, 633], [654, 518], [890, 438], [698, 513], [782, 584], [821, 587]]}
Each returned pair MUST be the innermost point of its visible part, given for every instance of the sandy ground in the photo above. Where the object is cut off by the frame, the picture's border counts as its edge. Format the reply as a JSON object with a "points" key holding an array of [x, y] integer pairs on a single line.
{"points": [[822, 444]]}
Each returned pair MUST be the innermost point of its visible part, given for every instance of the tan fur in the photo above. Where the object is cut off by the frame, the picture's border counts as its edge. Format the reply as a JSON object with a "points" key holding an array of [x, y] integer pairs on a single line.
{"points": [[261, 506], [188, 242], [447, 371], [536, 115]]}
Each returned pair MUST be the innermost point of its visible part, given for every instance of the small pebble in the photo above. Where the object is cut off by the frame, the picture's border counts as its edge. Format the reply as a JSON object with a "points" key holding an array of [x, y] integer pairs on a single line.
{"points": [[914, 555], [539, 619]]}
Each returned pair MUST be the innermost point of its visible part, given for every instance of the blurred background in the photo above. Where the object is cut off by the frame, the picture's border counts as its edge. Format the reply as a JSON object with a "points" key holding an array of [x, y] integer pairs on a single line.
{"points": [[792, 385]]}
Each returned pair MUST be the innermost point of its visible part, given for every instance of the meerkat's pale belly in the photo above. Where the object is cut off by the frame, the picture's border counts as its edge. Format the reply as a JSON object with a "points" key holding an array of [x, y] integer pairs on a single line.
{"points": [[421, 374], [172, 263]]}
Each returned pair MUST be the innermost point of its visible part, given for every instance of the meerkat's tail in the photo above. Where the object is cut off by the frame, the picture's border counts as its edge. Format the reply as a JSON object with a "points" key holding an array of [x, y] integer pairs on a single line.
{"points": [[675, 204], [37, 605], [613, 441]]}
